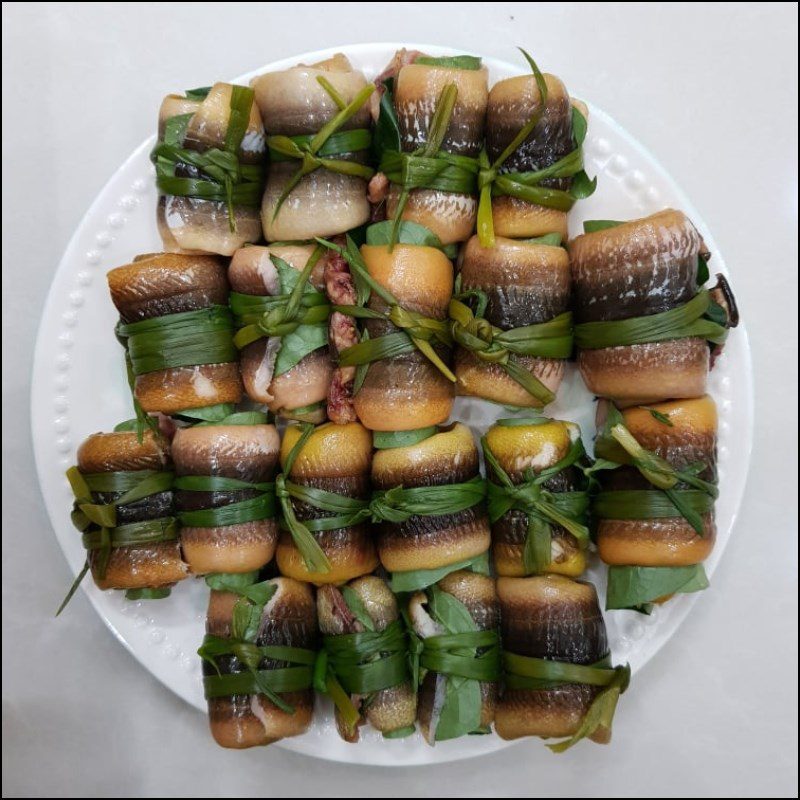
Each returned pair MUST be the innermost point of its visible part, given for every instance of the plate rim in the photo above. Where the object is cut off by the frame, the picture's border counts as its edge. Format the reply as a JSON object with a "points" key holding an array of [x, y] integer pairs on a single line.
{"points": [[70, 251]]}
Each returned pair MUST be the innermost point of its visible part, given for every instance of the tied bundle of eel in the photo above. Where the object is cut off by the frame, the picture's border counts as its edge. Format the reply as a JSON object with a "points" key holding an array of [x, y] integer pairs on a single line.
{"points": [[363, 665], [396, 377], [281, 310], [430, 132], [655, 510], [512, 322], [225, 494], [324, 496], [317, 119], [429, 501], [532, 167], [178, 333], [209, 169], [558, 677], [258, 659], [124, 509], [644, 321], [456, 644], [537, 496]]}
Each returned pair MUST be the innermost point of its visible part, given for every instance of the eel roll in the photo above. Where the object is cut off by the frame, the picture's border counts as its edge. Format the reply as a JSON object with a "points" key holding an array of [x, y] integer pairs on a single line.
{"points": [[178, 332], [225, 493], [405, 382], [538, 501], [367, 656], [558, 678], [195, 133], [437, 107], [315, 114], [524, 204], [644, 320], [269, 697], [429, 498], [279, 304], [655, 511], [124, 509], [513, 348], [324, 494], [456, 621]]}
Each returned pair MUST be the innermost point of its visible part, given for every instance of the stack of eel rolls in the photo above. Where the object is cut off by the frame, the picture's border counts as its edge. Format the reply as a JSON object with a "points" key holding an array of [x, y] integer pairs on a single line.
{"points": [[512, 322], [655, 508], [225, 493], [365, 652], [324, 495], [317, 119], [399, 377], [537, 497], [178, 332], [558, 679], [124, 509], [429, 500], [455, 625], [207, 138], [258, 659], [435, 109], [644, 320], [281, 310]]}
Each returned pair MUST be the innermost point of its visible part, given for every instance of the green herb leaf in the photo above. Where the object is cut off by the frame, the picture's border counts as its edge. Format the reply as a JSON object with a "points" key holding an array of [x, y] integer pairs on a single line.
{"points": [[702, 270], [387, 440], [450, 62], [660, 416], [594, 225], [630, 587], [357, 607], [414, 580], [380, 233], [197, 94]]}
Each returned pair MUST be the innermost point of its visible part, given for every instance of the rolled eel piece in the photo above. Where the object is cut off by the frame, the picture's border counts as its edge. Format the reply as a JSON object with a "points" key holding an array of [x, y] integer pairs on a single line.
{"points": [[325, 468], [419, 89], [193, 214], [367, 655], [429, 496], [457, 621], [225, 495], [124, 509], [538, 500], [178, 332], [655, 528], [296, 105], [513, 103], [558, 678], [284, 356], [239, 712], [413, 389], [643, 322], [526, 287]]}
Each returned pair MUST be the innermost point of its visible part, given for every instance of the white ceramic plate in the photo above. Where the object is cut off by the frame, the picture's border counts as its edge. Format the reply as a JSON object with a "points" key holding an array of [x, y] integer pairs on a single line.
{"points": [[79, 387]]}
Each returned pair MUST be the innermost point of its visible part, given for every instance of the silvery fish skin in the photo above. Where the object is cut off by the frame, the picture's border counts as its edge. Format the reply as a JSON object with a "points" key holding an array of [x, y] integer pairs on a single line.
{"points": [[640, 268], [289, 619], [477, 593], [525, 284], [243, 452], [389, 709], [293, 102], [193, 225], [158, 284], [149, 566], [555, 618], [252, 271], [451, 216]]}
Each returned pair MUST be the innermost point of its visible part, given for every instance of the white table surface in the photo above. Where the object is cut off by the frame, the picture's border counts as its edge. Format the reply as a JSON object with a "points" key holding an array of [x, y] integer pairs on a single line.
{"points": [[711, 89]]}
